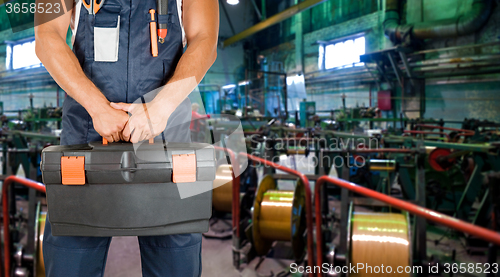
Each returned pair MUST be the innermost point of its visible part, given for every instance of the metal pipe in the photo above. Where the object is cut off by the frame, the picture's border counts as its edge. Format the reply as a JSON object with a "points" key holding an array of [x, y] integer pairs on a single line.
{"points": [[380, 150], [427, 133], [235, 205], [309, 213], [318, 90], [456, 60], [428, 214], [357, 78], [461, 81], [421, 70], [253, 132], [391, 21], [428, 126], [236, 189], [277, 18], [337, 72], [288, 129], [478, 67], [16, 77], [470, 72], [6, 218], [461, 25], [332, 71], [453, 48]]}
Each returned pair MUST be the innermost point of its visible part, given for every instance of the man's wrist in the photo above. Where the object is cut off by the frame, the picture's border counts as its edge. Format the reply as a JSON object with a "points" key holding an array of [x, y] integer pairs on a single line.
{"points": [[162, 107], [96, 108], [92, 99]]}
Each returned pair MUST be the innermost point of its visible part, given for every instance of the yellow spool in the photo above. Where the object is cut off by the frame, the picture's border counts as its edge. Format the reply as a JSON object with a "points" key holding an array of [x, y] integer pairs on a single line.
{"points": [[222, 195], [382, 165], [382, 168], [380, 239], [39, 264], [275, 214], [278, 216], [296, 151]]}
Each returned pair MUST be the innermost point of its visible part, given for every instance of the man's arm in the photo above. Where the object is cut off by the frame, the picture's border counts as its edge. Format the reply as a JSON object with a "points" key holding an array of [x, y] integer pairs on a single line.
{"points": [[201, 24], [63, 66]]}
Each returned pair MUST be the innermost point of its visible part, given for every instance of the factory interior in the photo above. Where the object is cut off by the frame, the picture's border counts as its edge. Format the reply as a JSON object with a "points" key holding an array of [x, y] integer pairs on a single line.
{"points": [[344, 131]]}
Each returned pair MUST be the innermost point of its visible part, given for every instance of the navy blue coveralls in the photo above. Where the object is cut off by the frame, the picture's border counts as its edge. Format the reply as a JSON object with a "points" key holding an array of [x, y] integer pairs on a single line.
{"points": [[113, 48]]}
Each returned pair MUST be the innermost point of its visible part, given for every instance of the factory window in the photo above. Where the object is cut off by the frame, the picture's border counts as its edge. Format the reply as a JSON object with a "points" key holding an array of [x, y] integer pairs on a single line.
{"points": [[341, 54], [21, 55]]}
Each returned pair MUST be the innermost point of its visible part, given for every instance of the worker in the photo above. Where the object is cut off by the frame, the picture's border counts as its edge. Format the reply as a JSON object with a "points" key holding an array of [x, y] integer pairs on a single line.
{"points": [[110, 66]]}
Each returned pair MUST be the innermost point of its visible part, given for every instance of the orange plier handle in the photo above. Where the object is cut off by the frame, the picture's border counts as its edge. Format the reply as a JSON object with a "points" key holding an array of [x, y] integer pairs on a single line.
{"points": [[93, 6]]}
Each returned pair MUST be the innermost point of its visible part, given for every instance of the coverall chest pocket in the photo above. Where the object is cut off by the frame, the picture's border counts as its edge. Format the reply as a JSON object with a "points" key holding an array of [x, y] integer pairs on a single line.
{"points": [[107, 34]]}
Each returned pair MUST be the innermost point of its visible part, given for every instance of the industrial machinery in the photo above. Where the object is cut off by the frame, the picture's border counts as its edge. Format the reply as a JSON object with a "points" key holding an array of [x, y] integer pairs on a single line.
{"points": [[397, 235], [23, 231], [307, 111], [25, 206], [363, 229], [421, 161], [431, 171], [278, 215], [279, 223], [275, 220], [223, 190], [222, 199]]}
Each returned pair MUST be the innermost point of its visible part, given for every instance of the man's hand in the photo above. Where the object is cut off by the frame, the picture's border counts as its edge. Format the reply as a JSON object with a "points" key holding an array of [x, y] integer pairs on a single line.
{"points": [[63, 66], [110, 123], [146, 120]]}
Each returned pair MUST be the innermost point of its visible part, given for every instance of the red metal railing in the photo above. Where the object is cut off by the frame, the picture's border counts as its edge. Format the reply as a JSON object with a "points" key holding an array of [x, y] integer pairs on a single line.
{"points": [[440, 218], [462, 132], [236, 196], [235, 216], [6, 218]]}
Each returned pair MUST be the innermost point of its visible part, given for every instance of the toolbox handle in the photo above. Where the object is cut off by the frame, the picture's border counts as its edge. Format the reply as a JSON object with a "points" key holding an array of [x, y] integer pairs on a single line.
{"points": [[105, 141], [183, 165]]}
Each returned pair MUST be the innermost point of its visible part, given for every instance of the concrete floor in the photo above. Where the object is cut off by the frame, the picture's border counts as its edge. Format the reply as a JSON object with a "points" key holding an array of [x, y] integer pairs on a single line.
{"points": [[124, 258]]}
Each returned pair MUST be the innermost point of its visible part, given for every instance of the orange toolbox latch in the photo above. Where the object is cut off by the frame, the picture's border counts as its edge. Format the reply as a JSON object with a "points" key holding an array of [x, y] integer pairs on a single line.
{"points": [[184, 167], [73, 170]]}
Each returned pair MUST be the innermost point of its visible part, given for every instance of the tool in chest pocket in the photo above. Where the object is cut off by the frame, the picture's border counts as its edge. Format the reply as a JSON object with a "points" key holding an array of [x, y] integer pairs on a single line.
{"points": [[162, 6], [93, 6]]}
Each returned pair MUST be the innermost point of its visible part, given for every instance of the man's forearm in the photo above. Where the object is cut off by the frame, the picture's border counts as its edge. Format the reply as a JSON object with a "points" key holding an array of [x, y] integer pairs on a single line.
{"points": [[192, 67], [198, 58], [64, 67]]}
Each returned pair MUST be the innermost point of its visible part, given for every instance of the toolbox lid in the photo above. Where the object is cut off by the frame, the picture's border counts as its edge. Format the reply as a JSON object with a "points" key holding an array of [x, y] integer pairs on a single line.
{"points": [[116, 163]]}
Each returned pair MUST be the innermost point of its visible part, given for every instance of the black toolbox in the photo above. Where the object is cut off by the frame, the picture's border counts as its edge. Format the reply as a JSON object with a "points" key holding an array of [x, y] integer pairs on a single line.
{"points": [[122, 189]]}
